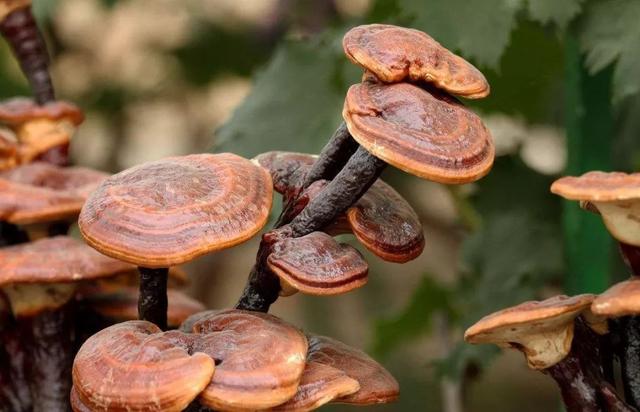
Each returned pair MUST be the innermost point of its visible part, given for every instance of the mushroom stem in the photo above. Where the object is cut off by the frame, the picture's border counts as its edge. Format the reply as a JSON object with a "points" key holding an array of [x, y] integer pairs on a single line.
{"points": [[14, 387], [11, 235], [21, 31], [629, 330], [631, 256], [153, 302]]}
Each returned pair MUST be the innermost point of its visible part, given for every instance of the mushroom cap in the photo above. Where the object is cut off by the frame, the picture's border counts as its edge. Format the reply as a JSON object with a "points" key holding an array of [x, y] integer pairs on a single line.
{"points": [[320, 384], [425, 133], [171, 211], [286, 168], [318, 265], [59, 259], [622, 299], [376, 383], [40, 192], [260, 359], [543, 330], [599, 186], [19, 110], [122, 305], [395, 54], [134, 366], [9, 6]]}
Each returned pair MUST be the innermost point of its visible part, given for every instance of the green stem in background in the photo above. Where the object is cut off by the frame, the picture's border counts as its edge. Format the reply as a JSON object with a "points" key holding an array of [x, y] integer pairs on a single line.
{"points": [[589, 124]]}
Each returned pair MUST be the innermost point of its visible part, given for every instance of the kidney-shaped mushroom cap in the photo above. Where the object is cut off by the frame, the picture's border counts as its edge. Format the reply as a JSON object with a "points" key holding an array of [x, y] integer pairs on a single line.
{"points": [[320, 384], [59, 259], [376, 383], [622, 299], [285, 168], [425, 133], [170, 211], [395, 54], [259, 359], [317, 265], [20, 110], [542, 330], [133, 366], [40, 192]]}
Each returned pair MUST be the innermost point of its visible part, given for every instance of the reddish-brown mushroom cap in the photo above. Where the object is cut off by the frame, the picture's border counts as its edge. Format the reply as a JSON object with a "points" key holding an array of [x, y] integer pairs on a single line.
{"points": [[170, 211], [9, 6], [318, 265], [20, 110], [395, 54], [622, 299], [40, 192], [8, 151], [425, 133], [320, 384], [259, 359], [285, 168], [599, 186], [133, 366], [376, 383]]}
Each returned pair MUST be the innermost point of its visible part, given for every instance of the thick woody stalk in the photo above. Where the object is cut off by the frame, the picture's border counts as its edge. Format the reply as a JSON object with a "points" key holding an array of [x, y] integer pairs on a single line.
{"points": [[152, 301]]}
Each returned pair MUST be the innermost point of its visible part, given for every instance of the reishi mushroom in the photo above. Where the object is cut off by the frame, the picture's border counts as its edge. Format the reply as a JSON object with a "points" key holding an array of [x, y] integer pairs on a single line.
{"points": [[168, 212]]}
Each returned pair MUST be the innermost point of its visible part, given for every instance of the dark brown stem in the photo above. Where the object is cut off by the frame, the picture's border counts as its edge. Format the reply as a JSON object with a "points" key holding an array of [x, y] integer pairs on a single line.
{"points": [[152, 302], [11, 235], [22, 33], [58, 155], [14, 386], [628, 328], [631, 256], [50, 349]]}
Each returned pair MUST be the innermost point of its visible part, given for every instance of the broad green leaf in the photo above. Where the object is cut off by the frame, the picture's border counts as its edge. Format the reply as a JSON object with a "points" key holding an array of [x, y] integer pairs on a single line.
{"points": [[557, 11], [609, 32]]}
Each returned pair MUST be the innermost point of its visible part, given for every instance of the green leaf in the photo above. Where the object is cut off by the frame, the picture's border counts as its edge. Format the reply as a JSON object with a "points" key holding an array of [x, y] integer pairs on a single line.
{"points": [[479, 29], [296, 101], [556, 11], [415, 319], [609, 32], [463, 355]]}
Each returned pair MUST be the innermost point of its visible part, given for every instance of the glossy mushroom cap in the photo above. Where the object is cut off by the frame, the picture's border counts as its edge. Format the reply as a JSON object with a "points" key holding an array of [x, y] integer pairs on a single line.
{"points": [[20, 110], [260, 359], [286, 168], [317, 265], [168, 212], [425, 133], [40, 192], [622, 299], [615, 195], [133, 366], [376, 383], [395, 54], [542, 330], [9, 6]]}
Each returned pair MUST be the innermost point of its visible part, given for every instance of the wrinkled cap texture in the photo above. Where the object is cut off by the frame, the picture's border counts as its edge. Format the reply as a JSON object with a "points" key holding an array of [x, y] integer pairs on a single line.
{"points": [[395, 54], [542, 330], [318, 265], [426, 133], [20, 110], [171, 211]]}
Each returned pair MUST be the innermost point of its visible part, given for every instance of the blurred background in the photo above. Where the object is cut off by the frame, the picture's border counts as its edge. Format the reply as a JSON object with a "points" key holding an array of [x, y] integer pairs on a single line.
{"points": [[171, 77]]}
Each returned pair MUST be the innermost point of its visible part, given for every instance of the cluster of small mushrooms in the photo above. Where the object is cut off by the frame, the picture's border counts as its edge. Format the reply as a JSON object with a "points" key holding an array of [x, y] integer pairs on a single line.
{"points": [[82, 329]]}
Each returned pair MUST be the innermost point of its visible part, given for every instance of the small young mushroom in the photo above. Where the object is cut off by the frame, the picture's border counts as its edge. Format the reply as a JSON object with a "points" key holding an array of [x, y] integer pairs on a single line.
{"points": [[19, 28], [168, 212], [553, 340], [318, 265], [396, 54]]}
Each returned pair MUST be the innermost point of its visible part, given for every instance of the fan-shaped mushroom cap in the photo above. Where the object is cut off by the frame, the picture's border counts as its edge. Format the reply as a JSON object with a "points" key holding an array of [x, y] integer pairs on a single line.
{"points": [[320, 384], [542, 330], [122, 305], [285, 168], [615, 195], [40, 192], [376, 383], [425, 133], [395, 54], [170, 211], [8, 6], [318, 265], [622, 299], [20, 110], [260, 359], [133, 366]]}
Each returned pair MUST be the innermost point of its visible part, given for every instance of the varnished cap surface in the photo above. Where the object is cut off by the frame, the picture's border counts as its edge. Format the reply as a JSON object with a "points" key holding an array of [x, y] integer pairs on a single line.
{"points": [[318, 265], [425, 133], [395, 54], [599, 186], [285, 167], [55, 260], [133, 366], [40, 192], [170, 211], [260, 359], [622, 299], [376, 383], [20, 110]]}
